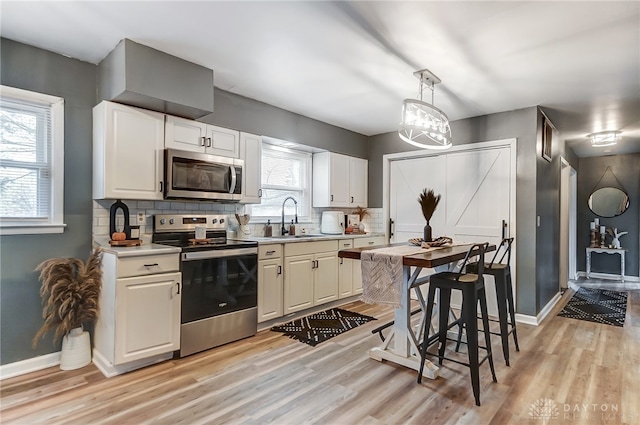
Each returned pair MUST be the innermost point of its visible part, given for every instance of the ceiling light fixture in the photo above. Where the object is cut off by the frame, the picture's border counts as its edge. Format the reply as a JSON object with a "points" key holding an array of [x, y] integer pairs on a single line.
{"points": [[605, 138], [423, 125]]}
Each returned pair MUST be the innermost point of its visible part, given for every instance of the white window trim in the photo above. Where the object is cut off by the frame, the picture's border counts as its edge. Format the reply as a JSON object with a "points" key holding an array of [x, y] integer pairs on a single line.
{"points": [[56, 222], [302, 219]]}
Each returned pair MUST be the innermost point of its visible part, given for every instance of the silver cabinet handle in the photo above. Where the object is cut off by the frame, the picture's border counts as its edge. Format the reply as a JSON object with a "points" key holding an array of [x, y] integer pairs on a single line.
{"points": [[178, 283], [259, 193], [160, 186], [151, 265], [347, 245], [279, 270], [342, 261], [208, 142], [371, 243], [270, 252], [202, 140], [352, 199], [331, 198]]}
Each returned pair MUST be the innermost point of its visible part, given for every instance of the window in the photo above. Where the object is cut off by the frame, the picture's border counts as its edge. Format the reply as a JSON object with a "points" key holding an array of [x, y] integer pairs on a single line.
{"points": [[285, 172], [31, 162]]}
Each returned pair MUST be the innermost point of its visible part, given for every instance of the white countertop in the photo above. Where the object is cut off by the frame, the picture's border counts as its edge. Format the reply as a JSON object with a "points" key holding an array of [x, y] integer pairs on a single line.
{"points": [[147, 248], [305, 238]]}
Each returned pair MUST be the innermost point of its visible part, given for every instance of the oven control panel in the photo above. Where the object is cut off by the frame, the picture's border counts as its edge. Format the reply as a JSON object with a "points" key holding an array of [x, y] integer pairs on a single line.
{"points": [[179, 222]]}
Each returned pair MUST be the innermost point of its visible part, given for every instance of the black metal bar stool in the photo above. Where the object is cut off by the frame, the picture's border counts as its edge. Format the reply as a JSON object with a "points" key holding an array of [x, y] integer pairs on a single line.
{"points": [[504, 295], [472, 287]]}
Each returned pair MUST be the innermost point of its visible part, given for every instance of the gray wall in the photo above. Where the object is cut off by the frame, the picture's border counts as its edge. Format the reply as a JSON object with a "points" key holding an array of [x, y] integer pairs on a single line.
{"points": [[30, 68], [626, 169], [244, 114], [520, 124]]}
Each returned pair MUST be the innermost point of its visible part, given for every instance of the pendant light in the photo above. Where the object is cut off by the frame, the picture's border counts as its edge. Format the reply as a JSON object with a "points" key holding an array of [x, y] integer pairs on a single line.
{"points": [[423, 125]]}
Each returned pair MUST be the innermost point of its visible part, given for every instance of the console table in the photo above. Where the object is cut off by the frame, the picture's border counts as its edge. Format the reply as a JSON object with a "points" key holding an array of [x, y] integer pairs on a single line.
{"points": [[612, 251]]}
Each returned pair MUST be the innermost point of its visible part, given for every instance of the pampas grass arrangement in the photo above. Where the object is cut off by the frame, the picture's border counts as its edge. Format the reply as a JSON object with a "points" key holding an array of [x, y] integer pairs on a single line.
{"points": [[428, 202], [70, 293]]}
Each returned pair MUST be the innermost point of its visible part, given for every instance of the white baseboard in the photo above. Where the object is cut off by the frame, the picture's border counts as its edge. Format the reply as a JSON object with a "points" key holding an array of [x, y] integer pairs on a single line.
{"points": [[109, 370], [609, 276], [536, 320], [33, 364]]}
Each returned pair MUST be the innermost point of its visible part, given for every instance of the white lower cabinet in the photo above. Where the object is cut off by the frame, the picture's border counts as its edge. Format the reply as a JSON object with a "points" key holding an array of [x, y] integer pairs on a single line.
{"points": [[270, 282], [310, 274], [345, 271], [139, 311], [148, 316]]}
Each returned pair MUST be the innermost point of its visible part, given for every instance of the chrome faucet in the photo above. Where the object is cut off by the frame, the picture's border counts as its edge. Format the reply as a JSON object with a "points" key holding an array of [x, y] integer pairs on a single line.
{"points": [[283, 230]]}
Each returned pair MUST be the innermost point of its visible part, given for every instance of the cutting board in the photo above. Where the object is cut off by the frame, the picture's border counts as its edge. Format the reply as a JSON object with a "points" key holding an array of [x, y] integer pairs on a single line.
{"points": [[129, 242]]}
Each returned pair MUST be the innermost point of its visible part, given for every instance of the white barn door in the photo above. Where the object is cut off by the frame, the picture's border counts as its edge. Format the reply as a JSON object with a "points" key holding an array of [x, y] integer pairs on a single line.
{"points": [[476, 188]]}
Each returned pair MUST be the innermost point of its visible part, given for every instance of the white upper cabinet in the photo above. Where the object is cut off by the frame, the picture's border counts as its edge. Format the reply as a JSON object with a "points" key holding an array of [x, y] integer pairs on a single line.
{"points": [[128, 146], [195, 136], [339, 180], [251, 153]]}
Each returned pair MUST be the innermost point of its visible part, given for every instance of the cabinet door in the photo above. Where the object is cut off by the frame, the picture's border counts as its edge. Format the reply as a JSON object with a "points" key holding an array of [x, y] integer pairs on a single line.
{"points": [[222, 141], [251, 153], [358, 169], [128, 152], [357, 277], [147, 316], [339, 189], [325, 279], [298, 283], [345, 271], [186, 135], [270, 289]]}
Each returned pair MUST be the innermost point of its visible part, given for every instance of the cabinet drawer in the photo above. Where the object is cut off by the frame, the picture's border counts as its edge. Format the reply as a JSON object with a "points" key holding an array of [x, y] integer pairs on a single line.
{"points": [[266, 252], [372, 241], [303, 248], [345, 244], [150, 264]]}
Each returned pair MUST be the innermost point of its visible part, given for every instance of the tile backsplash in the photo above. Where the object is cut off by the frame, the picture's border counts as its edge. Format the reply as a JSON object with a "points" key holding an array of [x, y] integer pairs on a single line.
{"points": [[373, 224]]}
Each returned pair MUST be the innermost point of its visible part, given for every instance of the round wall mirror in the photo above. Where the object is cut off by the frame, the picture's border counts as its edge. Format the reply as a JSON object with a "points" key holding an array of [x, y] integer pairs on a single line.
{"points": [[608, 202]]}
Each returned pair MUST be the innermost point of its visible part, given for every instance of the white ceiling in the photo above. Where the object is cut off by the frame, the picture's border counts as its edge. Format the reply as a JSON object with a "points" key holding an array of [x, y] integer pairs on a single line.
{"points": [[350, 64]]}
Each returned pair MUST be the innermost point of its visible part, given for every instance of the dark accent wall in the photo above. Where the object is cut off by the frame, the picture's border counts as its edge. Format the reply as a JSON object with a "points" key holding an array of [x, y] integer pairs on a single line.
{"points": [[244, 114], [519, 124], [626, 168], [547, 207], [38, 70]]}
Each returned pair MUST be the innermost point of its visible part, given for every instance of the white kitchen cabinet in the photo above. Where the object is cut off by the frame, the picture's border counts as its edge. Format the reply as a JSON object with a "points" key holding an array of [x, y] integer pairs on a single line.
{"points": [[251, 153], [139, 316], [195, 136], [310, 274], [330, 170], [270, 282], [357, 268], [345, 271], [128, 145]]}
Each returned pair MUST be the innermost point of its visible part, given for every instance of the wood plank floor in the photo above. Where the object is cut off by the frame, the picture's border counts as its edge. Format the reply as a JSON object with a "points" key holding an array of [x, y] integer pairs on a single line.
{"points": [[583, 367]]}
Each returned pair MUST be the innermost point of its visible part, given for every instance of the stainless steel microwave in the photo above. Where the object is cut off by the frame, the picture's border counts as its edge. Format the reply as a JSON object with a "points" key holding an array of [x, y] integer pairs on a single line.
{"points": [[193, 175]]}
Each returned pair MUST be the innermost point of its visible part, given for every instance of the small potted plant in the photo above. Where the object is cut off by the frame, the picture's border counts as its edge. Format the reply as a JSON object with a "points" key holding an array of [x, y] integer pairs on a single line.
{"points": [[362, 213], [70, 295]]}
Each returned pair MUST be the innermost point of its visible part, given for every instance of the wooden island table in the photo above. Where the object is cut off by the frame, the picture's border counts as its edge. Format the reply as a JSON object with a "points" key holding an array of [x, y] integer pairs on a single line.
{"points": [[405, 349]]}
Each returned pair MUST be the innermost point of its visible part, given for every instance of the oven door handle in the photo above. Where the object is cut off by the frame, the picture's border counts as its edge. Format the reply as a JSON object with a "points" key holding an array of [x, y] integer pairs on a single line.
{"points": [[232, 169], [218, 253]]}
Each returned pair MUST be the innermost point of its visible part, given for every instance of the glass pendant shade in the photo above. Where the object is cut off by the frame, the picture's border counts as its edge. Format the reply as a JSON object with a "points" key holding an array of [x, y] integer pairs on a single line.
{"points": [[423, 125]]}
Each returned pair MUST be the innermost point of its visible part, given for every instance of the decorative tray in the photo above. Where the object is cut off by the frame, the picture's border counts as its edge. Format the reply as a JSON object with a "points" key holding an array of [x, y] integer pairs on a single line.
{"points": [[441, 241], [127, 242]]}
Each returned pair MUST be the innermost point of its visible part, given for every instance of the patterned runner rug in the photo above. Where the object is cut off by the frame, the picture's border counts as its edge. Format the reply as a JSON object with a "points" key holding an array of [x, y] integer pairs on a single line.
{"points": [[597, 305], [319, 327]]}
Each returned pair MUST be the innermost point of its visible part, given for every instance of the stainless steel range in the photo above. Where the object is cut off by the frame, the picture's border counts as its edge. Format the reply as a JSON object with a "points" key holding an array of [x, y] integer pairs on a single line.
{"points": [[219, 281]]}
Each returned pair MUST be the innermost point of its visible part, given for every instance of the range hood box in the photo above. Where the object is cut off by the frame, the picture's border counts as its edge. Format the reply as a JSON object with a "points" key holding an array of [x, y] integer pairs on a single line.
{"points": [[141, 76]]}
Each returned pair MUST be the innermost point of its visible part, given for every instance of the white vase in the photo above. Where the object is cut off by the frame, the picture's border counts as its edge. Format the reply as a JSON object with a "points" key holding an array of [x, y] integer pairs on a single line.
{"points": [[76, 350]]}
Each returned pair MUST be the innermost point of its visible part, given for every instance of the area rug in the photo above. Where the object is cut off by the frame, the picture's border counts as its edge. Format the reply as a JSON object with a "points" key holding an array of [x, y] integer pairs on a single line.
{"points": [[319, 327], [597, 305]]}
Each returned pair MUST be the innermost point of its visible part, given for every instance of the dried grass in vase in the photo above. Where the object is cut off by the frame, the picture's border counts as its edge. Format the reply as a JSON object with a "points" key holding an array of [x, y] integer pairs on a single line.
{"points": [[428, 203]]}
